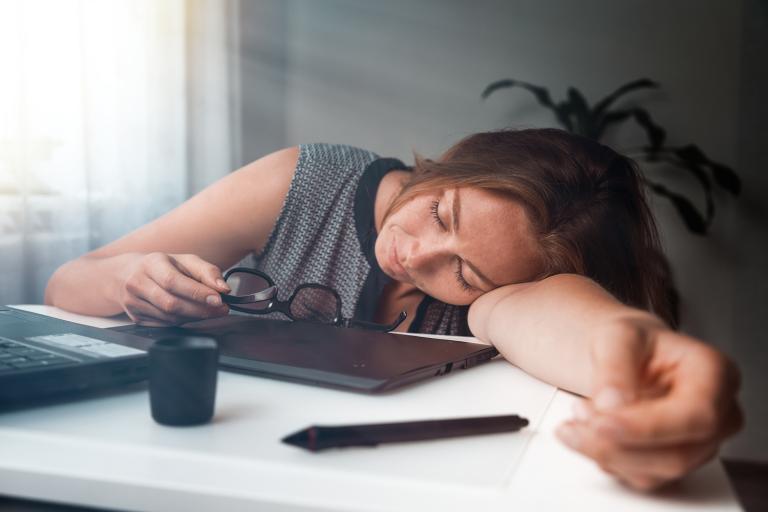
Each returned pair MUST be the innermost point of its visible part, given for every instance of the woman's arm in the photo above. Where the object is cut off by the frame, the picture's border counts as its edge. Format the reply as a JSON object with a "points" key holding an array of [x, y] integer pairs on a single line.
{"points": [[167, 269], [661, 402], [547, 327]]}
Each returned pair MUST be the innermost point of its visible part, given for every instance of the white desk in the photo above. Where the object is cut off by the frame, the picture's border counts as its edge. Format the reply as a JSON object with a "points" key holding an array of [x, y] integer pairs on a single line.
{"points": [[107, 452]]}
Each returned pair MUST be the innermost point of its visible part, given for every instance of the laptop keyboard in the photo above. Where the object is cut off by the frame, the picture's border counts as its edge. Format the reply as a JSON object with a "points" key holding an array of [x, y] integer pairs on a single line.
{"points": [[15, 356]]}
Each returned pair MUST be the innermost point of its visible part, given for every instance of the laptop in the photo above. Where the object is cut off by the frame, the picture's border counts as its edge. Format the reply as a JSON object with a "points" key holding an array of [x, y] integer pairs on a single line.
{"points": [[41, 356], [44, 355], [328, 356]]}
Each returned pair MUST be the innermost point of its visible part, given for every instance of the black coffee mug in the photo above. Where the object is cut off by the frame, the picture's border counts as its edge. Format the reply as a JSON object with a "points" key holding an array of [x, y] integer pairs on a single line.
{"points": [[182, 380]]}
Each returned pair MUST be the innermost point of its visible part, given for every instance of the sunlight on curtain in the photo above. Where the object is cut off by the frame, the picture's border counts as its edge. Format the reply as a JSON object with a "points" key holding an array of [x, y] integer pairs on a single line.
{"points": [[92, 129]]}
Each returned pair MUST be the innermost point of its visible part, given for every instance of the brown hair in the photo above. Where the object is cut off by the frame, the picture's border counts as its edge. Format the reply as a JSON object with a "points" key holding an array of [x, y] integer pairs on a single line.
{"points": [[586, 203]]}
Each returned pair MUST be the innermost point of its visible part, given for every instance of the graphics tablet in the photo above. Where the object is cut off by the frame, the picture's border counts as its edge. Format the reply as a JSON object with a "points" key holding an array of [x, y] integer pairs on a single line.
{"points": [[337, 357]]}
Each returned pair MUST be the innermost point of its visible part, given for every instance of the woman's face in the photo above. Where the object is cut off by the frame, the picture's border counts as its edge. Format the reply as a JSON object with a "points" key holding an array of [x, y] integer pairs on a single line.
{"points": [[458, 243]]}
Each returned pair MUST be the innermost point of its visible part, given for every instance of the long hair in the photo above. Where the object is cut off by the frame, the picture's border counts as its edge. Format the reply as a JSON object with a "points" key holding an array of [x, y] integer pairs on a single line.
{"points": [[585, 201]]}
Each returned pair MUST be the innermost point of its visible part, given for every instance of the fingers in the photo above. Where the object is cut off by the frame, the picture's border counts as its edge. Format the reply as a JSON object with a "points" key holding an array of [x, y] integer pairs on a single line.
{"points": [[642, 459], [656, 422], [153, 303], [174, 301], [173, 277], [699, 405], [161, 289], [619, 357], [204, 272], [178, 284], [641, 468], [681, 388], [663, 421], [642, 482], [144, 313], [662, 403]]}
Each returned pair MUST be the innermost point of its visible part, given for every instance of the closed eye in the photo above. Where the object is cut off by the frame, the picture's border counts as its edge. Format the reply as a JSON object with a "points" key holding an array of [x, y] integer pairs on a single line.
{"points": [[435, 215], [460, 277], [458, 272]]}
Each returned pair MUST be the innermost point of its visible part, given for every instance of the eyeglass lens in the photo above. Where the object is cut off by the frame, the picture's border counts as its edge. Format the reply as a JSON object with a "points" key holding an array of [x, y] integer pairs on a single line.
{"points": [[315, 304], [245, 283]]}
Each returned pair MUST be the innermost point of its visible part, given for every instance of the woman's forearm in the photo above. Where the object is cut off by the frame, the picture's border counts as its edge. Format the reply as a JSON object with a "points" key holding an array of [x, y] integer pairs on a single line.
{"points": [[547, 327], [88, 285]]}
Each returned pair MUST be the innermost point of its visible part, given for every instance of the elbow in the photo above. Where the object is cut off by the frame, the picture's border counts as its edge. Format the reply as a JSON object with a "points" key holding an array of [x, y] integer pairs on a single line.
{"points": [[481, 312], [569, 281], [51, 288], [48, 299], [474, 323], [491, 308]]}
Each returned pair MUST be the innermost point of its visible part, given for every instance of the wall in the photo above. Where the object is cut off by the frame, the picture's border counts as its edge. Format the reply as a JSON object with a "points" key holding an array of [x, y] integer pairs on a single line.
{"points": [[400, 76], [750, 229]]}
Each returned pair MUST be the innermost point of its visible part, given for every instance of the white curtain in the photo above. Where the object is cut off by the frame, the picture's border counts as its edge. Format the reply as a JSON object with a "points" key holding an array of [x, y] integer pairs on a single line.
{"points": [[105, 123]]}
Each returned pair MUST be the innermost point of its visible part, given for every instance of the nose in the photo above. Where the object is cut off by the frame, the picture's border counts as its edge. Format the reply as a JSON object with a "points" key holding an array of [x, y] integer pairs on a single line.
{"points": [[424, 255]]}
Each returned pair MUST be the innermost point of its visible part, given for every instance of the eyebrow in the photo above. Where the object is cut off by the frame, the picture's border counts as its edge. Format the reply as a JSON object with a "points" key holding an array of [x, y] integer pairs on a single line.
{"points": [[455, 209]]}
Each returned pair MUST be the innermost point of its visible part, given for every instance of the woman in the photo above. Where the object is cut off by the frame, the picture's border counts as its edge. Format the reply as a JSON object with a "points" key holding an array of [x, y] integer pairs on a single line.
{"points": [[537, 241]]}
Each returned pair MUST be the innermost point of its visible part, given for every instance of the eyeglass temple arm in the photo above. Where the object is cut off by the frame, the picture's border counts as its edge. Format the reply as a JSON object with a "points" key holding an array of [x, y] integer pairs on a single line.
{"points": [[377, 327]]}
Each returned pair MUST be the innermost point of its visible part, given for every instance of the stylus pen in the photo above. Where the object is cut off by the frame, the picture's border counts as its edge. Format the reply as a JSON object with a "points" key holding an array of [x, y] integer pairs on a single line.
{"points": [[316, 438]]}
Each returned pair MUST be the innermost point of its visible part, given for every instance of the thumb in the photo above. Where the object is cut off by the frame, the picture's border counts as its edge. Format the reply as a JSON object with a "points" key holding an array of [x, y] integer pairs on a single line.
{"points": [[619, 358]]}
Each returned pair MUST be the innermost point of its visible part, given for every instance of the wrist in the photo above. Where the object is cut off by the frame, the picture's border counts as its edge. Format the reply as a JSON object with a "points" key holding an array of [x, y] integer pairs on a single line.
{"points": [[621, 347], [642, 320], [122, 266]]}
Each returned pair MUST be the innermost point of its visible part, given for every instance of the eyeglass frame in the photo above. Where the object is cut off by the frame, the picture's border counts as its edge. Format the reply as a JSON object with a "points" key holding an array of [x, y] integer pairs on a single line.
{"points": [[277, 306]]}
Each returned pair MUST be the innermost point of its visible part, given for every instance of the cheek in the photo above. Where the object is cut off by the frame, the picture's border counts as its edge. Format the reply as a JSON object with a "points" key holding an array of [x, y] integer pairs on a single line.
{"points": [[444, 288], [413, 217], [383, 242]]}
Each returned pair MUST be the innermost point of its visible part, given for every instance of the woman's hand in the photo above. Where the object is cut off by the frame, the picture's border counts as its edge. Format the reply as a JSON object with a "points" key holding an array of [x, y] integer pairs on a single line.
{"points": [[161, 289], [662, 403]]}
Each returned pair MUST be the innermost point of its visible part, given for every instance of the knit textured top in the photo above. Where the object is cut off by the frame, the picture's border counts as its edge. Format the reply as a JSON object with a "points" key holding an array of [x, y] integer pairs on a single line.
{"points": [[325, 234]]}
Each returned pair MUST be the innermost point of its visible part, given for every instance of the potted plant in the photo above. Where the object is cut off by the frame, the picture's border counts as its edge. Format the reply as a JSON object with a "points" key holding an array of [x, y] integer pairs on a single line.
{"points": [[576, 115]]}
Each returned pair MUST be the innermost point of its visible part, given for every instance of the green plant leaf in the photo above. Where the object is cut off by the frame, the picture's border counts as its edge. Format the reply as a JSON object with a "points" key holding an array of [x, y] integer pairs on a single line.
{"points": [[690, 215], [656, 134], [691, 153], [541, 94], [500, 84], [726, 178], [575, 116], [698, 172], [602, 105], [700, 175], [691, 159], [564, 115], [580, 111]]}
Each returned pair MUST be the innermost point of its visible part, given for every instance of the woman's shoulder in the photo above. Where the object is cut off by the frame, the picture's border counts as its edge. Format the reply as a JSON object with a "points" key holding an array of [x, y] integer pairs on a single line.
{"points": [[324, 182], [334, 158]]}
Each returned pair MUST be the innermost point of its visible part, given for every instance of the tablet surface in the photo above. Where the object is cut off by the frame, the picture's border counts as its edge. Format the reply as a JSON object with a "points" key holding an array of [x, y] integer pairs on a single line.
{"points": [[343, 358]]}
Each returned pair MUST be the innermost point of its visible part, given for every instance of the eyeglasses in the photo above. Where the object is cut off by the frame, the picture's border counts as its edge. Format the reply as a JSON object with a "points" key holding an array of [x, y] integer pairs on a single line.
{"points": [[256, 293]]}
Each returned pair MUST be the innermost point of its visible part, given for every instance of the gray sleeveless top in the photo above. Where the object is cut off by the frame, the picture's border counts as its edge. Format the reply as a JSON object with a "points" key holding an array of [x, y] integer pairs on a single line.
{"points": [[325, 234]]}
